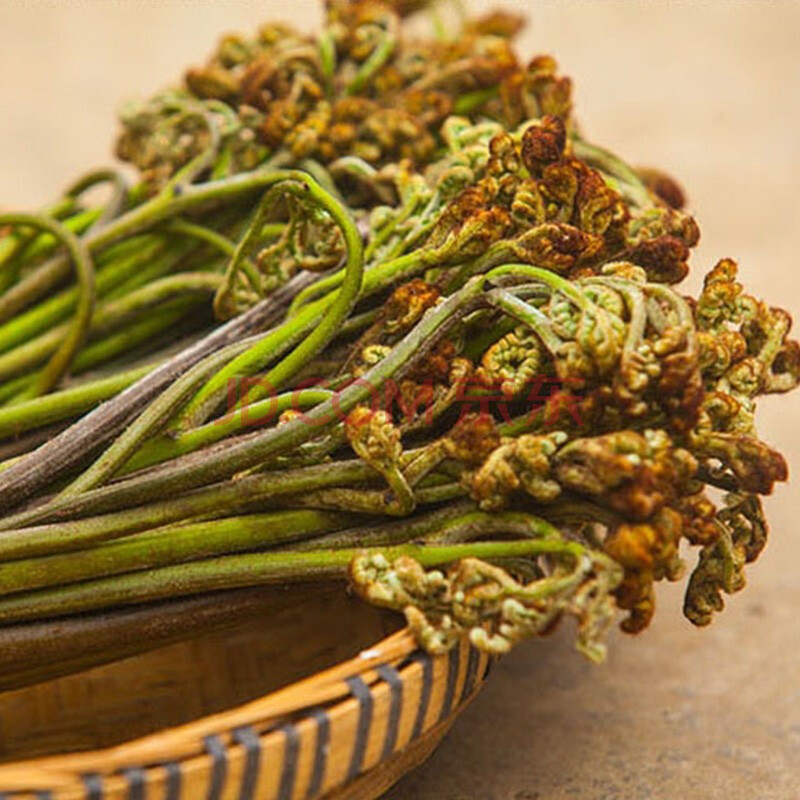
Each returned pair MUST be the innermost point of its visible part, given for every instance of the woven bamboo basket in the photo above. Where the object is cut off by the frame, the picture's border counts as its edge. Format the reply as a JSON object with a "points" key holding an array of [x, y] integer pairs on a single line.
{"points": [[320, 697]]}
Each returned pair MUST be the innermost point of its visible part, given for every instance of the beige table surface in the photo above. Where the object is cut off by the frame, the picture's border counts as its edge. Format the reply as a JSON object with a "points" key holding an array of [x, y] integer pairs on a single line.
{"points": [[709, 90]]}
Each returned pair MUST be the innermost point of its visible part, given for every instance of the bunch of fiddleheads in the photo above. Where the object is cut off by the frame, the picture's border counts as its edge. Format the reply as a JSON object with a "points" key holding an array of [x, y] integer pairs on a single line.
{"points": [[375, 310]]}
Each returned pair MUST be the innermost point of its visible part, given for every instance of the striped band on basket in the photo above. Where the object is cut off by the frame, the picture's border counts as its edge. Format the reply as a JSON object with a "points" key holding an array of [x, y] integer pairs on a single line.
{"points": [[378, 712]]}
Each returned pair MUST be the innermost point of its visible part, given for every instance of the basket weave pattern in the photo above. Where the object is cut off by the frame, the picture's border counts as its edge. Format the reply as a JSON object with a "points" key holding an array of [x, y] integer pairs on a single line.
{"points": [[312, 739]]}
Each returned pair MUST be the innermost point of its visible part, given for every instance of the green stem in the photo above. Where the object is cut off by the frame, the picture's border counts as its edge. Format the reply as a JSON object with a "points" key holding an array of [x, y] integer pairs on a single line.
{"points": [[544, 276], [475, 524], [377, 58], [380, 237], [66, 533], [259, 354], [60, 362], [41, 411], [70, 448], [176, 199], [119, 192], [131, 259], [12, 388], [455, 523], [169, 545], [203, 234], [468, 102], [15, 250], [249, 569], [150, 422], [327, 57], [255, 449], [381, 533], [375, 278], [142, 331], [531, 316], [251, 415], [109, 317], [247, 453], [29, 248]]}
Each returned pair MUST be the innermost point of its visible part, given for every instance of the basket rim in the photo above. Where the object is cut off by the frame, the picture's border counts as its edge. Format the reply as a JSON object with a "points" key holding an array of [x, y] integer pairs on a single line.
{"points": [[187, 740]]}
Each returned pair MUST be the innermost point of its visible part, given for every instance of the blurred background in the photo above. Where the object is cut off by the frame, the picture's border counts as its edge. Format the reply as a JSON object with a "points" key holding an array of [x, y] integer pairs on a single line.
{"points": [[709, 91]]}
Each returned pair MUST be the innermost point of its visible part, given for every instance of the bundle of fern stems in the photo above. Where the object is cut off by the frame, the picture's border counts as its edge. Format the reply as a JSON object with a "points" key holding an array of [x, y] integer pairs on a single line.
{"points": [[373, 310]]}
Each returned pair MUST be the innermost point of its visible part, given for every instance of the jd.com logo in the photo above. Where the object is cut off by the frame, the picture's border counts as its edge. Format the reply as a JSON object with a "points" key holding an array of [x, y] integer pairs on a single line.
{"points": [[542, 393]]}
